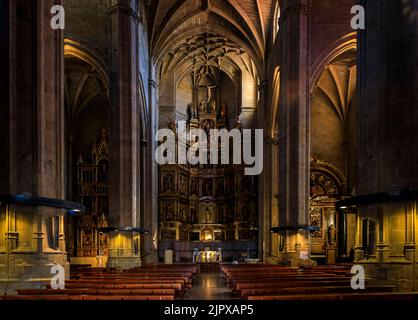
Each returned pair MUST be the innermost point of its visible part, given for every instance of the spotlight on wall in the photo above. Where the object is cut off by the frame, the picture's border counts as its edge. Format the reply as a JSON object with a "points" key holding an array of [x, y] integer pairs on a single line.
{"points": [[74, 212], [24, 196]]}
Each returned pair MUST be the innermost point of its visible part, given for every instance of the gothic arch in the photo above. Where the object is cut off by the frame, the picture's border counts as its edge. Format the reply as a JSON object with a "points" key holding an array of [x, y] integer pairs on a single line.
{"points": [[332, 174], [337, 48], [143, 109], [275, 105], [275, 20], [76, 49]]}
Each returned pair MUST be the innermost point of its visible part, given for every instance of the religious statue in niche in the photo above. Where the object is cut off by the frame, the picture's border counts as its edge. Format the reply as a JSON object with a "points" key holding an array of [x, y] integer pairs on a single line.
{"points": [[201, 108], [332, 235], [316, 221], [208, 216], [102, 243], [213, 107], [168, 184], [191, 111], [223, 111]]}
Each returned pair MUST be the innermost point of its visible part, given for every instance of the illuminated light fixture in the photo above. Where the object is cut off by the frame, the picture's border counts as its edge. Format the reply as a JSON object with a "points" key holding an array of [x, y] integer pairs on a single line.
{"points": [[74, 212], [123, 229], [27, 199]]}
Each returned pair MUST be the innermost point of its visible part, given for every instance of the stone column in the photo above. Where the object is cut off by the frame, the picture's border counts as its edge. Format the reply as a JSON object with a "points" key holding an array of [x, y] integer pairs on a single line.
{"points": [[294, 125], [32, 137], [342, 235], [124, 128], [387, 126], [264, 180], [409, 248], [150, 181]]}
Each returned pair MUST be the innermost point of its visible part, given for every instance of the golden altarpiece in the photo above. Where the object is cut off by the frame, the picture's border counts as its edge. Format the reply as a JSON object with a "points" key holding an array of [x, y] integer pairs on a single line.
{"points": [[327, 186], [93, 192], [206, 203]]}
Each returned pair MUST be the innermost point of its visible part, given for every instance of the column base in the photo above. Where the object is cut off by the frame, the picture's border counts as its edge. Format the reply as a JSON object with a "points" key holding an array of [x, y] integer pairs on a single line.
{"points": [[397, 273], [409, 251], [359, 254], [382, 252], [29, 271]]}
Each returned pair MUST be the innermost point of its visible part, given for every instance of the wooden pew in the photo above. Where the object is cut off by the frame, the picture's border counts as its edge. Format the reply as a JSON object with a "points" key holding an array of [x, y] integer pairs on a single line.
{"points": [[98, 292], [342, 296], [88, 297], [245, 293]]}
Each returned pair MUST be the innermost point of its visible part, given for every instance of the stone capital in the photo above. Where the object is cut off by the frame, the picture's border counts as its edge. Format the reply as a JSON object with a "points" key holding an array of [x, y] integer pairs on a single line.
{"points": [[295, 10], [118, 9]]}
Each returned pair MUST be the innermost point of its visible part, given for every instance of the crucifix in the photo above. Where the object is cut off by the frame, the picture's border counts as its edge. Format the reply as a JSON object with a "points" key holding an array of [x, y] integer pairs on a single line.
{"points": [[210, 102], [209, 94]]}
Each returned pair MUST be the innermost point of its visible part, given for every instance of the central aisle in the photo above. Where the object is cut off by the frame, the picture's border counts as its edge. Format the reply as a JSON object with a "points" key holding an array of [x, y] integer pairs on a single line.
{"points": [[209, 286]]}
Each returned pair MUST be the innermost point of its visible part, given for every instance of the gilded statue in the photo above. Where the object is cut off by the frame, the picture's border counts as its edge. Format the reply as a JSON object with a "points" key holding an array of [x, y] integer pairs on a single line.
{"points": [[223, 110], [208, 215], [332, 235], [213, 107]]}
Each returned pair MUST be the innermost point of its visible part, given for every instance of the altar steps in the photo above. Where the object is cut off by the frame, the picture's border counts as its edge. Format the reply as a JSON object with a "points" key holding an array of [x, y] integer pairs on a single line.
{"points": [[210, 267]]}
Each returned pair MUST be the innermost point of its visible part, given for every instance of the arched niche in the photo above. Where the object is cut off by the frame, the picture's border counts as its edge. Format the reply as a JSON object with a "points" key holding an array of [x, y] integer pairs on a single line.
{"points": [[333, 113]]}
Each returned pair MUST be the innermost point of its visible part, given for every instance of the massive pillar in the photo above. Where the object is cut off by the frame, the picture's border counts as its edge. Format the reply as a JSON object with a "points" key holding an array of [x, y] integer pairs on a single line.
{"points": [[294, 127], [150, 180], [125, 135], [268, 182], [264, 189], [388, 126], [32, 141]]}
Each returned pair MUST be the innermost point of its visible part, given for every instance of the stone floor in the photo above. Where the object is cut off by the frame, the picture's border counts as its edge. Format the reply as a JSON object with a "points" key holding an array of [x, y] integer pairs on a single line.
{"points": [[209, 286]]}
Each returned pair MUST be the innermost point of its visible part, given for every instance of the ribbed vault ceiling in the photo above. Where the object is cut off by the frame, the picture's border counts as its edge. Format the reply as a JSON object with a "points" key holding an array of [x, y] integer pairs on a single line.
{"points": [[240, 25]]}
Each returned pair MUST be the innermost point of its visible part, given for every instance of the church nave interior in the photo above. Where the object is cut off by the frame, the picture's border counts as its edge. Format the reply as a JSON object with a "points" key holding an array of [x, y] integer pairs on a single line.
{"points": [[82, 190]]}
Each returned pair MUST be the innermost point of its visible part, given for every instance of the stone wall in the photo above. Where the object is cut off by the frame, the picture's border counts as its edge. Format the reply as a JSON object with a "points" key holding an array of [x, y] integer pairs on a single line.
{"points": [[387, 160]]}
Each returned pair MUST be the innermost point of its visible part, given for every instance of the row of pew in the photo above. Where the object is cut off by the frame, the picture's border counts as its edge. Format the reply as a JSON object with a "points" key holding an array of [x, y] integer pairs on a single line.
{"points": [[156, 282], [268, 282]]}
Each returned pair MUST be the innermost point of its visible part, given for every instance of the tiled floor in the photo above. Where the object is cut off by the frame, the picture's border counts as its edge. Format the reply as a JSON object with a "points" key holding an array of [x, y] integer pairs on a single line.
{"points": [[209, 286]]}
